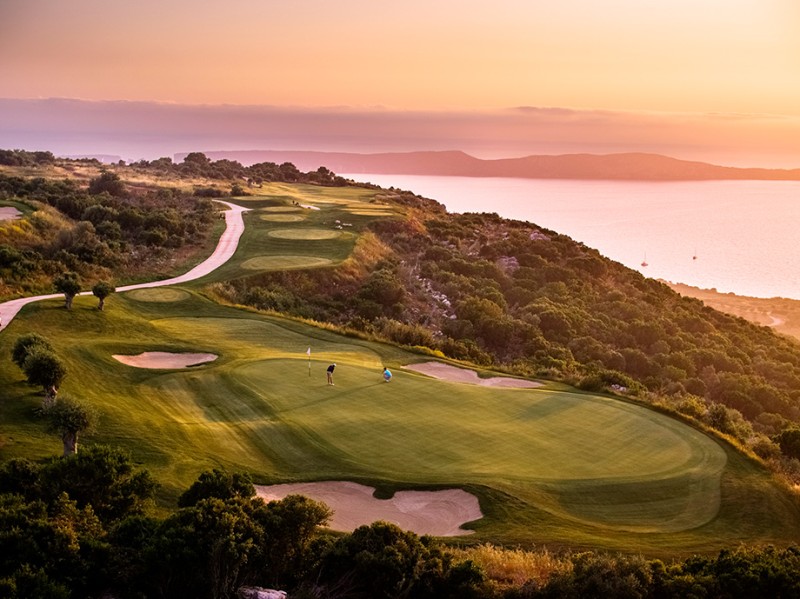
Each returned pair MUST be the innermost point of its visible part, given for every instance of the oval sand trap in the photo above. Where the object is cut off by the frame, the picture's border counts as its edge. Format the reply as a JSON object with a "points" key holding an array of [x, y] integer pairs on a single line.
{"points": [[9, 213], [304, 234], [158, 294], [438, 513], [282, 218], [160, 359], [284, 262], [454, 374]]}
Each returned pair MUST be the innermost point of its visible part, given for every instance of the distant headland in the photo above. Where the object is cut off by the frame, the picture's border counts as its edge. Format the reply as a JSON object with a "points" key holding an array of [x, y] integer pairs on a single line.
{"points": [[624, 166]]}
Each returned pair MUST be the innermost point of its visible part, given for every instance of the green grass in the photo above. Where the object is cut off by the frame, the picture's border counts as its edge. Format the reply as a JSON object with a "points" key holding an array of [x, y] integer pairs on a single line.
{"points": [[549, 465]]}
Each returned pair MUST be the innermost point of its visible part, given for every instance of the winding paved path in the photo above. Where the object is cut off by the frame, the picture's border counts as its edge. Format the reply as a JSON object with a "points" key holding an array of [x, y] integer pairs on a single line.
{"points": [[226, 247]]}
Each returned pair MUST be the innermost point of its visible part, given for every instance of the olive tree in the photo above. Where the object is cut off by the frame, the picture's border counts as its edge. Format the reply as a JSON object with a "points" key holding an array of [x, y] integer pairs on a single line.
{"points": [[42, 367], [101, 290], [67, 283], [69, 418], [26, 345]]}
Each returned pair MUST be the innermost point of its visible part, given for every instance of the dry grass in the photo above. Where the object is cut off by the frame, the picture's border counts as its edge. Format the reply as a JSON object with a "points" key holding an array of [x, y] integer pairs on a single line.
{"points": [[513, 567]]}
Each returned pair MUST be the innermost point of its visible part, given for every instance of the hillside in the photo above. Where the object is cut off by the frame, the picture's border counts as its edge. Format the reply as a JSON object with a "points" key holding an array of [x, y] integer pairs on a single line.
{"points": [[630, 166], [639, 459]]}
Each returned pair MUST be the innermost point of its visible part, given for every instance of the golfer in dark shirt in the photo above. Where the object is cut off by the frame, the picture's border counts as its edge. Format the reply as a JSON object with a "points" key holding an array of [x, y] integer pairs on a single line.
{"points": [[329, 372]]}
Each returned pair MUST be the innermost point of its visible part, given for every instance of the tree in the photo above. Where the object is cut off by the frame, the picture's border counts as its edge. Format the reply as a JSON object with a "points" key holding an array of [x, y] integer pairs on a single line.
{"points": [[789, 442], [104, 477], [42, 367], [26, 345], [219, 484], [69, 418], [67, 283], [101, 290], [107, 182]]}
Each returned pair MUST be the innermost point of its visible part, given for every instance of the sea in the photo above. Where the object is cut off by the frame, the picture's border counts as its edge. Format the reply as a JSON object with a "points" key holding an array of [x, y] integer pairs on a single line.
{"points": [[739, 237]]}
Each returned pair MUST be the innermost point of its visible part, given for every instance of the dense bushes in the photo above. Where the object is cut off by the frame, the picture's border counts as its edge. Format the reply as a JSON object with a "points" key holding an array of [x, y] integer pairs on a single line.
{"points": [[78, 527], [97, 232]]}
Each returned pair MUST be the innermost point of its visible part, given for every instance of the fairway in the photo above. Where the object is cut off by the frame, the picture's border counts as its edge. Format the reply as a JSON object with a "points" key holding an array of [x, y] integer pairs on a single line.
{"points": [[547, 464]]}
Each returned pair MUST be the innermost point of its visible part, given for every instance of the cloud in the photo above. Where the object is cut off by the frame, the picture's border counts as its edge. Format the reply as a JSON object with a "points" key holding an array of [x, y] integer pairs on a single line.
{"points": [[150, 129]]}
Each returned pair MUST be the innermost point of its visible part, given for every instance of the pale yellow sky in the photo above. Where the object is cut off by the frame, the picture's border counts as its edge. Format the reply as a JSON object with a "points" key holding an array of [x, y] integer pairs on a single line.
{"points": [[739, 56]]}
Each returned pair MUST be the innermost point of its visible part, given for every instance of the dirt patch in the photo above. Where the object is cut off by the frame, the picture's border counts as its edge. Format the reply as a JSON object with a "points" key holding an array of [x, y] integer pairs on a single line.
{"points": [[9, 213], [446, 372], [158, 294], [437, 513], [284, 262], [304, 234], [159, 359]]}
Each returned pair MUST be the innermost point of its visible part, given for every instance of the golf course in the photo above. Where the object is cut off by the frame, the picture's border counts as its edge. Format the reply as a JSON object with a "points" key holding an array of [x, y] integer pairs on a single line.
{"points": [[549, 465]]}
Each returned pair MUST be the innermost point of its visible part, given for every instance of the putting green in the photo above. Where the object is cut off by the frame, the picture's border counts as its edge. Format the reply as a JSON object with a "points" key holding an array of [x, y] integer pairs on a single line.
{"points": [[281, 218], [371, 212], [584, 458], [304, 234], [367, 206], [158, 294], [281, 209], [284, 262]]}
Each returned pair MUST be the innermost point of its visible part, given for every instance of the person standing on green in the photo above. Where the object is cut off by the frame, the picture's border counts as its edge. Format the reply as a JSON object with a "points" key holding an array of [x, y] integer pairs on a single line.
{"points": [[329, 372], [387, 375]]}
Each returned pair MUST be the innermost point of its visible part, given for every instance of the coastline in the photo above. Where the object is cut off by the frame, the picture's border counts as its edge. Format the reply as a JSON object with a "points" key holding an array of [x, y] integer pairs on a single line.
{"points": [[780, 313]]}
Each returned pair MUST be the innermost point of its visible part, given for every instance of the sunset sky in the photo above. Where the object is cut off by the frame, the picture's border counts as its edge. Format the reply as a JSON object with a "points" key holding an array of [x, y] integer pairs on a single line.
{"points": [[714, 76]]}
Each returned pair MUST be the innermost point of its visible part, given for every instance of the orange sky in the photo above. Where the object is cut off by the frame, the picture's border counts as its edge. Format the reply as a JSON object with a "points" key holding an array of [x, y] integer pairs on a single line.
{"points": [[740, 58]]}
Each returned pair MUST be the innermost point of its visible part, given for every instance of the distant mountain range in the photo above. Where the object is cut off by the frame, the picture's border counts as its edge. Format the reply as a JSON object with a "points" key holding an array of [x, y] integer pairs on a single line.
{"points": [[629, 166]]}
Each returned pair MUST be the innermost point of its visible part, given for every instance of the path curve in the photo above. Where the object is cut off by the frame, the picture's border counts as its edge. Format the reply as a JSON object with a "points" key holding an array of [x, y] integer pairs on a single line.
{"points": [[226, 247]]}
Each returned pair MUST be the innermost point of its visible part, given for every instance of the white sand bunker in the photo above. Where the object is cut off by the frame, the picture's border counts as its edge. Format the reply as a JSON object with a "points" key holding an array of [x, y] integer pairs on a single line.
{"points": [[9, 213], [437, 513], [160, 359], [454, 374]]}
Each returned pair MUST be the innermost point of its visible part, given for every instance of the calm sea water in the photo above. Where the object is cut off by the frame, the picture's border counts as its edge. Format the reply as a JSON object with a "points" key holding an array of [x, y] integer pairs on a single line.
{"points": [[733, 236]]}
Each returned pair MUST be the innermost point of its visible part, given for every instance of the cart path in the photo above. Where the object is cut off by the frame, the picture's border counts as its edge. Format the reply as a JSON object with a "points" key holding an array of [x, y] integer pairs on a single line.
{"points": [[226, 247]]}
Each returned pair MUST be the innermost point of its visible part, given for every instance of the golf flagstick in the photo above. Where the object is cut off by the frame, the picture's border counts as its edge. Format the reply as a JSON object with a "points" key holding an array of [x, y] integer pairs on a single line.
{"points": [[308, 351]]}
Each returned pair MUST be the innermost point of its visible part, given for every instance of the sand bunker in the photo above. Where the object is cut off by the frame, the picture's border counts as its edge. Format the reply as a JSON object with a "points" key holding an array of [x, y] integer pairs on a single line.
{"points": [[159, 359], [9, 213], [437, 513], [304, 234], [309, 207], [284, 262], [158, 294], [282, 218], [454, 374]]}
